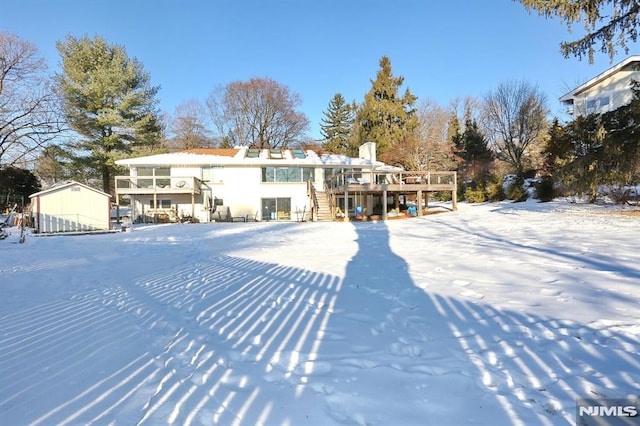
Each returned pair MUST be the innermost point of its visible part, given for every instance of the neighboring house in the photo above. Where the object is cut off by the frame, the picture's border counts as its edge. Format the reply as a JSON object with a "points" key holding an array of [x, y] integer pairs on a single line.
{"points": [[605, 92], [235, 184], [70, 207]]}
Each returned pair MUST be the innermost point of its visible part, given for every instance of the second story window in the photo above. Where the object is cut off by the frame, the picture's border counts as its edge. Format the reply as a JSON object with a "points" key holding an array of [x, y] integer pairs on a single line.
{"points": [[212, 174], [287, 174]]}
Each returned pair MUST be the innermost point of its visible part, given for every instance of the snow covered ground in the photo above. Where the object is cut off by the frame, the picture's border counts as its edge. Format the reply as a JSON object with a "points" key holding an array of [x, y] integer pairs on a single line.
{"points": [[495, 314]]}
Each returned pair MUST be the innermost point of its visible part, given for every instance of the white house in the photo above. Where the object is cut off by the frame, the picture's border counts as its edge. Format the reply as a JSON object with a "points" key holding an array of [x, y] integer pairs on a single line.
{"points": [[606, 91], [235, 184], [70, 207]]}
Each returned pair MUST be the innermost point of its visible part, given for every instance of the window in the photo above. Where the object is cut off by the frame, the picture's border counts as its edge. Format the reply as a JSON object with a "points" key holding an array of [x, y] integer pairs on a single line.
{"points": [[340, 202], [253, 153], [154, 171], [162, 204], [308, 174], [275, 154], [276, 209], [288, 174], [298, 153], [591, 105], [604, 101], [212, 174]]}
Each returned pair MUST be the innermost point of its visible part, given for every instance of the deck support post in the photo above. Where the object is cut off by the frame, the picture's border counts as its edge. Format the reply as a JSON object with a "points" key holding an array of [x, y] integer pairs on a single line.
{"points": [[193, 207], [454, 192], [384, 203], [346, 205]]}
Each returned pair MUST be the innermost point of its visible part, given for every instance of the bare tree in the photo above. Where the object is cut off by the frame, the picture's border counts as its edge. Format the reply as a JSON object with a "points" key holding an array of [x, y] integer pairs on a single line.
{"points": [[433, 131], [29, 113], [189, 126], [427, 147], [259, 113], [515, 119]]}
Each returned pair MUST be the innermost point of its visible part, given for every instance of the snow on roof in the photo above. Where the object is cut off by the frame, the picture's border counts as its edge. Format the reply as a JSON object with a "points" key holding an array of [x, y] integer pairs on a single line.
{"points": [[62, 186], [237, 156]]}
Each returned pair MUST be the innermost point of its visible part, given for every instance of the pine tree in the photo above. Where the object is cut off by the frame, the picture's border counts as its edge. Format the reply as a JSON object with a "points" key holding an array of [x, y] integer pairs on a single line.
{"points": [[474, 156], [477, 154], [610, 23], [453, 129], [386, 117], [108, 100], [336, 126]]}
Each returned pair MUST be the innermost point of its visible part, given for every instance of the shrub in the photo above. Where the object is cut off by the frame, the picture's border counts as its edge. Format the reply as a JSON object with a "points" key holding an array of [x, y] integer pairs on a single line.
{"points": [[475, 195], [495, 191], [516, 191], [545, 189], [462, 188], [441, 196]]}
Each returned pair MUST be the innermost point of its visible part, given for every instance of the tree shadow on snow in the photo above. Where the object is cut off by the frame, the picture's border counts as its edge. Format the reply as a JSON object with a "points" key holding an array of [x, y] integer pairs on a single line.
{"points": [[446, 360], [229, 340]]}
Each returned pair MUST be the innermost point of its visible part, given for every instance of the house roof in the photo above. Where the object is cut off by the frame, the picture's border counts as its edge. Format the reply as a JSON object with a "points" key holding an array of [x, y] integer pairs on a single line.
{"points": [[223, 152], [241, 157], [599, 78], [63, 186]]}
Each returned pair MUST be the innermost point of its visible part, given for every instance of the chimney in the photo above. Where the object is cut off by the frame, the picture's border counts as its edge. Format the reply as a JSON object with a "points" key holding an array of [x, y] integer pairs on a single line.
{"points": [[367, 151]]}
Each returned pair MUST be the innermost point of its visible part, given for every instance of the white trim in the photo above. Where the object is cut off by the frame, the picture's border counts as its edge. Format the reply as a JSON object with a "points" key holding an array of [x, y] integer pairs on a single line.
{"points": [[600, 77]]}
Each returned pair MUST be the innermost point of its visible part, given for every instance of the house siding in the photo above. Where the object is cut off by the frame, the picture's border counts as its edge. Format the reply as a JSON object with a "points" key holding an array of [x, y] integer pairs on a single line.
{"points": [[70, 209], [237, 182], [606, 92], [616, 88]]}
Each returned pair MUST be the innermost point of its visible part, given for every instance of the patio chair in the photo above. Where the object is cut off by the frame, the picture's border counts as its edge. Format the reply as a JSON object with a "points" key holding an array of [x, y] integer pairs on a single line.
{"points": [[222, 214]]}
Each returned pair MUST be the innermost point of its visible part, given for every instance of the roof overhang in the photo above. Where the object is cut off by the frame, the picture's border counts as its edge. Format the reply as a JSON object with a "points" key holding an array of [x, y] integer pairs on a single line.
{"points": [[568, 97]]}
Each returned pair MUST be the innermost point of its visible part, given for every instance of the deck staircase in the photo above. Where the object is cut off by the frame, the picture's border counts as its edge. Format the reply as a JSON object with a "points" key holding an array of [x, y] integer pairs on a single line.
{"points": [[324, 208]]}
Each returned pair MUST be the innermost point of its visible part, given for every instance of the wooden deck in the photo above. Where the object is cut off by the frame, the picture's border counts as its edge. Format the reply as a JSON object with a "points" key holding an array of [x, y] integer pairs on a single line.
{"points": [[411, 184]]}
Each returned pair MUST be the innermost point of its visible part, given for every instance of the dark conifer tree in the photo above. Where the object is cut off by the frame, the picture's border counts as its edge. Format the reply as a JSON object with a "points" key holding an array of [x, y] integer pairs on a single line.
{"points": [[337, 125], [387, 116]]}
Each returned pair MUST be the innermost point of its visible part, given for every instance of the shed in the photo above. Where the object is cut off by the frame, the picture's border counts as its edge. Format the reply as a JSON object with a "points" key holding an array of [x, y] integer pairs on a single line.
{"points": [[70, 207]]}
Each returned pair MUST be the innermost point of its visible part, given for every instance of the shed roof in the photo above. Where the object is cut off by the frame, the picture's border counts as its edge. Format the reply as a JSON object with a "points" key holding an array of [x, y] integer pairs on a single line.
{"points": [[66, 185]]}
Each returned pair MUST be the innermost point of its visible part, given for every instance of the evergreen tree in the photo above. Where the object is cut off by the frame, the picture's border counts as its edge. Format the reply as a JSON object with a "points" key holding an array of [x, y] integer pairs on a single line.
{"points": [[453, 128], [472, 149], [108, 100], [598, 149], [610, 23], [557, 149], [478, 155], [386, 117], [581, 172], [336, 126], [18, 182], [356, 136]]}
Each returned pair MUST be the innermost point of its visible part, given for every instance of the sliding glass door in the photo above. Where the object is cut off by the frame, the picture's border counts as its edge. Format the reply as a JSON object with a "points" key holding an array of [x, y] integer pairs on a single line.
{"points": [[276, 209]]}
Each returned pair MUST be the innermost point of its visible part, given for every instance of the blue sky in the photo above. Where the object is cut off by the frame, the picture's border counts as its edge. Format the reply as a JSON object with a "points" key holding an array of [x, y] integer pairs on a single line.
{"points": [[444, 49]]}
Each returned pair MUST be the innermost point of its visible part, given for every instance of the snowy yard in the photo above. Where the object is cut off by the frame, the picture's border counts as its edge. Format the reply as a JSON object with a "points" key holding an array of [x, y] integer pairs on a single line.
{"points": [[495, 314]]}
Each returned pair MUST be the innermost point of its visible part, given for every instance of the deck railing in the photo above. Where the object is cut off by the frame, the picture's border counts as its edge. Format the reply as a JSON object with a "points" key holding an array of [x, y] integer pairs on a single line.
{"points": [[396, 178], [157, 184]]}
